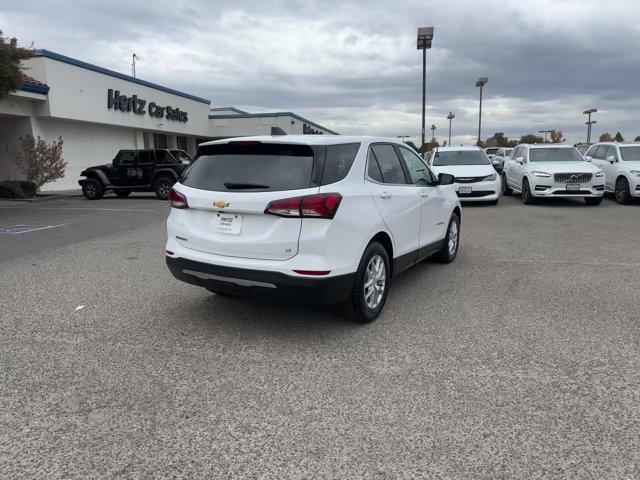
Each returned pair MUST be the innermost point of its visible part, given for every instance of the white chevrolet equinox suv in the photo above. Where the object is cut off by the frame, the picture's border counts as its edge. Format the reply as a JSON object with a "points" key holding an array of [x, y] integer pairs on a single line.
{"points": [[551, 170], [320, 219]]}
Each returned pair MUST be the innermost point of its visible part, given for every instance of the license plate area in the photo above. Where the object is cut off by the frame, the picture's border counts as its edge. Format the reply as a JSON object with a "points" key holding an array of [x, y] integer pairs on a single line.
{"points": [[573, 187], [465, 190], [229, 223]]}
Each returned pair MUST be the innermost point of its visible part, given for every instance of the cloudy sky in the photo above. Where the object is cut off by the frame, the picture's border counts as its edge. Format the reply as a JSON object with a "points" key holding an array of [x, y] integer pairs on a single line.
{"points": [[352, 65]]}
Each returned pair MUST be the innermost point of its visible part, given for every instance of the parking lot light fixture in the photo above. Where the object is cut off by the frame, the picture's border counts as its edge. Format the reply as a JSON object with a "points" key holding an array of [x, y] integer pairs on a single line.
{"points": [[450, 117], [481, 82], [433, 132], [545, 134], [425, 37], [589, 122]]}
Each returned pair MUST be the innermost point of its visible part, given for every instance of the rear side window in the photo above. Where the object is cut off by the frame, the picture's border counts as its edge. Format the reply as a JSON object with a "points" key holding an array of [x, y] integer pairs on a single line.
{"points": [[251, 167], [145, 157], [338, 161], [389, 164]]}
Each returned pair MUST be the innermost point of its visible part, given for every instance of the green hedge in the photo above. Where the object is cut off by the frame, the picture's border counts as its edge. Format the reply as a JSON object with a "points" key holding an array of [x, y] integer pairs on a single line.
{"points": [[17, 189]]}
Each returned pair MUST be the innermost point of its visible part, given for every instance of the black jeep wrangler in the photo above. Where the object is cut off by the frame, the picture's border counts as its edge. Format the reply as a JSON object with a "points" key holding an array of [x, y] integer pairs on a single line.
{"points": [[149, 170]]}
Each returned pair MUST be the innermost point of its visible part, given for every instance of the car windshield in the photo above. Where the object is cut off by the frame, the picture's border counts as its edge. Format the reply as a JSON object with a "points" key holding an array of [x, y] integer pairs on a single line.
{"points": [[507, 152], [551, 154], [630, 154], [460, 157], [491, 151], [251, 166]]}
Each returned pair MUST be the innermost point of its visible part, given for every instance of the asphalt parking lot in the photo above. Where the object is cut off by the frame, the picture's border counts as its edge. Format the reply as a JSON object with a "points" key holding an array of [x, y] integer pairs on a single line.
{"points": [[521, 359]]}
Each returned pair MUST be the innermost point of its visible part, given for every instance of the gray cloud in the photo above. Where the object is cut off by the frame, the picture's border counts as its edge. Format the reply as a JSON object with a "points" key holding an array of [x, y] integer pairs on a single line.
{"points": [[353, 67]]}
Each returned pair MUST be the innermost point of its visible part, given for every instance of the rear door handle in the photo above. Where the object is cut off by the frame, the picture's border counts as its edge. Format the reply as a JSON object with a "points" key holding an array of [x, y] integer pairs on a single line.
{"points": [[385, 195], [424, 195]]}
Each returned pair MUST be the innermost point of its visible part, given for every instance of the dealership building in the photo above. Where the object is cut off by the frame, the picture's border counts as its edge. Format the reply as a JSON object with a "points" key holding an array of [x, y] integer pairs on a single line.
{"points": [[98, 112]]}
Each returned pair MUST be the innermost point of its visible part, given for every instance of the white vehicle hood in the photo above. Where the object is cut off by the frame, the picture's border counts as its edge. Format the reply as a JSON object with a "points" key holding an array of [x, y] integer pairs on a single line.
{"points": [[562, 167], [465, 170]]}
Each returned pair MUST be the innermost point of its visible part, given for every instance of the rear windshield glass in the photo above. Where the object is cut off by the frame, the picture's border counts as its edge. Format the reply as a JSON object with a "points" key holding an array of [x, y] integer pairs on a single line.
{"points": [[630, 154], [460, 157], [554, 155], [491, 151], [251, 167]]}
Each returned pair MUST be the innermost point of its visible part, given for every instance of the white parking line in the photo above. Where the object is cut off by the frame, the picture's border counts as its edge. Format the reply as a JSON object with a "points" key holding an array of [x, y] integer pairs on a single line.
{"points": [[89, 209], [20, 229]]}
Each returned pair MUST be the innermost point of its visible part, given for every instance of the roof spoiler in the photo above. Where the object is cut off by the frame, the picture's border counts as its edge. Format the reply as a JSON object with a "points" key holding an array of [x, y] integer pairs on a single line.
{"points": [[277, 131]]}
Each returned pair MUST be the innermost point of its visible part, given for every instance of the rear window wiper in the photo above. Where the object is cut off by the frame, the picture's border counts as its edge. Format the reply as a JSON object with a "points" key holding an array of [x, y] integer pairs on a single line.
{"points": [[242, 186]]}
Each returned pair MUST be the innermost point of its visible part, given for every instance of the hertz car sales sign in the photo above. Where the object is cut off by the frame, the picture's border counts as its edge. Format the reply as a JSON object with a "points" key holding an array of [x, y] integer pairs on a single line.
{"points": [[139, 106]]}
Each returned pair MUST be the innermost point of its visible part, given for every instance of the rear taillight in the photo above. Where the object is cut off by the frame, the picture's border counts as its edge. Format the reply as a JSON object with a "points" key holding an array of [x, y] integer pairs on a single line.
{"points": [[177, 200], [324, 205]]}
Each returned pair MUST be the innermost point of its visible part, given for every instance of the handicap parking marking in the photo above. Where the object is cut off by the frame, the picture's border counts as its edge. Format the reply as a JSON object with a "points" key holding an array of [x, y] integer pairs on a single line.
{"points": [[29, 227]]}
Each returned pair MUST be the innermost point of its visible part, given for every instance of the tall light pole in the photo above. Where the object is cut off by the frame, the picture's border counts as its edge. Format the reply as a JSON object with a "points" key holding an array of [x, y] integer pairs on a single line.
{"points": [[545, 134], [134, 57], [589, 122], [433, 132], [425, 36], [450, 117], [482, 81]]}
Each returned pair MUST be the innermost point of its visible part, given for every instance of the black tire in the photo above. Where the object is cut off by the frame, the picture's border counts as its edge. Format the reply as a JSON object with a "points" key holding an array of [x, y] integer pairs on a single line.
{"points": [[161, 186], [621, 192], [448, 253], [93, 189], [357, 308], [122, 193], [593, 200], [506, 190], [526, 196]]}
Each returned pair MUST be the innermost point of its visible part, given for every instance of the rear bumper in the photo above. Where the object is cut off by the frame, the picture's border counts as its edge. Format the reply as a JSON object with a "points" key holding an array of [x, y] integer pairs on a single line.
{"points": [[262, 283]]}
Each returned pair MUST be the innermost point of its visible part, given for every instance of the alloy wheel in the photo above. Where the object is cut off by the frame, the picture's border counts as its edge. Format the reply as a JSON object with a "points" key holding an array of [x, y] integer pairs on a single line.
{"points": [[453, 238], [375, 281]]}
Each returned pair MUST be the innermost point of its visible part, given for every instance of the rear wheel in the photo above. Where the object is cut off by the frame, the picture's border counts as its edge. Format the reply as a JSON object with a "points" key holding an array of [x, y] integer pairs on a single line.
{"points": [[593, 200], [505, 186], [622, 193], [122, 193], [93, 189], [162, 186], [526, 196], [370, 287], [449, 250]]}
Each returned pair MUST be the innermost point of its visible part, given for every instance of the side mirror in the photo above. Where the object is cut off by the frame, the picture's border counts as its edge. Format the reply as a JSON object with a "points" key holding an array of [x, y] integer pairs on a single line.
{"points": [[445, 179], [519, 160], [611, 159], [497, 164], [588, 159]]}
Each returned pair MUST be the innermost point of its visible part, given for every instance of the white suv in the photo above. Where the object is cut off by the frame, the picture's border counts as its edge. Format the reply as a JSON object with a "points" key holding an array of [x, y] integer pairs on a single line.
{"points": [[550, 170], [475, 179], [322, 219], [621, 165]]}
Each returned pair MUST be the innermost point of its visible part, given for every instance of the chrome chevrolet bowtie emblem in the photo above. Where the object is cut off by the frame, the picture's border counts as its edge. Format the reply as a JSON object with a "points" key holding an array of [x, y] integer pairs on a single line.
{"points": [[221, 204]]}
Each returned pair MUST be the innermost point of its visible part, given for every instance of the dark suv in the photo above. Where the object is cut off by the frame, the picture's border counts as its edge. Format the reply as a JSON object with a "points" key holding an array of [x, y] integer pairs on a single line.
{"points": [[149, 170]]}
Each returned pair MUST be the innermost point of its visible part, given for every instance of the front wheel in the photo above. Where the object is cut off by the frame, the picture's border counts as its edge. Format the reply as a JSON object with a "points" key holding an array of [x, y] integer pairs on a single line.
{"points": [[527, 197], [162, 187], [593, 200], [622, 193], [370, 287], [449, 250], [506, 190], [93, 189]]}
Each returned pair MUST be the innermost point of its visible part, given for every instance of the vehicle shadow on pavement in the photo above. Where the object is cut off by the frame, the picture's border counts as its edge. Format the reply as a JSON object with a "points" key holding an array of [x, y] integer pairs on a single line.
{"points": [[263, 317]]}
